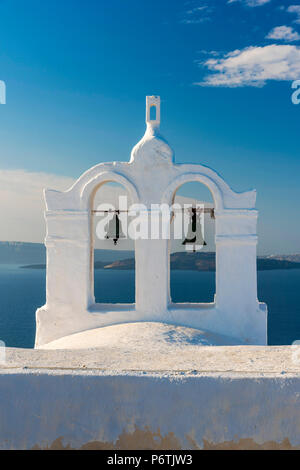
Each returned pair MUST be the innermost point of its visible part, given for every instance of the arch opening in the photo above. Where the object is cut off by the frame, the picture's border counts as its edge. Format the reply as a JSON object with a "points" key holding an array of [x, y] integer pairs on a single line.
{"points": [[112, 252], [153, 112], [192, 256]]}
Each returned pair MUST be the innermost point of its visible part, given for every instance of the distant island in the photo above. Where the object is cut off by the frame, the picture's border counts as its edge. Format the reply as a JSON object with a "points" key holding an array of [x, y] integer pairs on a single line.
{"points": [[192, 262], [33, 256]]}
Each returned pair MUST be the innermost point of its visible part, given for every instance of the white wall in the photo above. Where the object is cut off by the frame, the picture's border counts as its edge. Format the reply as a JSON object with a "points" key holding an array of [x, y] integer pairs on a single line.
{"points": [[90, 409]]}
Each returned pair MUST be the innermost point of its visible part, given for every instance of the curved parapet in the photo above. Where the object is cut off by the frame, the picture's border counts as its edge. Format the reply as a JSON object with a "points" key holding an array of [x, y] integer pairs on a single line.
{"points": [[76, 197], [93, 185], [224, 197]]}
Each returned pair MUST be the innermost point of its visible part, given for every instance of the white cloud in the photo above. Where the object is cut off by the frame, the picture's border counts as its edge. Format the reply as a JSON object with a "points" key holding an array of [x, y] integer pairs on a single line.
{"points": [[285, 33], [197, 15], [211, 53], [295, 9], [196, 9], [251, 3], [22, 203], [254, 66]]}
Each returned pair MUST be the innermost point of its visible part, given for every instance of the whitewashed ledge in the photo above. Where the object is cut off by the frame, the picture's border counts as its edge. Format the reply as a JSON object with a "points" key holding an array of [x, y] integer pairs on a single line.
{"points": [[150, 386]]}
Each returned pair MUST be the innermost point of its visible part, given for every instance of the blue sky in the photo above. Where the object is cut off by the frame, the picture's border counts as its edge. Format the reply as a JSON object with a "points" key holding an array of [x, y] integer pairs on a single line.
{"points": [[77, 73]]}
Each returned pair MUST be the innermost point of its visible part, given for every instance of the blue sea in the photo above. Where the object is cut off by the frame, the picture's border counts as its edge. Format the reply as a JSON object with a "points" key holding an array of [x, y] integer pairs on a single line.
{"points": [[22, 291]]}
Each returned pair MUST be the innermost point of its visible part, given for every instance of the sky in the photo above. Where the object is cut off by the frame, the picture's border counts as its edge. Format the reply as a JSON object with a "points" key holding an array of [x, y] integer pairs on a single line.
{"points": [[77, 73]]}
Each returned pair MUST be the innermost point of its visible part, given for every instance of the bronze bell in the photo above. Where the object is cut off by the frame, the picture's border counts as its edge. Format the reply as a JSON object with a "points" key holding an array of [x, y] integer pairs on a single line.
{"points": [[114, 229], [194, 236]]}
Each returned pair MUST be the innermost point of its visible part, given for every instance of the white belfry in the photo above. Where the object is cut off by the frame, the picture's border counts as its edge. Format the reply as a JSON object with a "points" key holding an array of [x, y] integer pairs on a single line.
{"points": [[150, 177]]}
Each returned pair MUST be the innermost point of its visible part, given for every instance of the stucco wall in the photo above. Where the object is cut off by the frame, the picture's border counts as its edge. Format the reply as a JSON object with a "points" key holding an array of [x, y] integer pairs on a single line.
{"points": [[79, 403], [137, 411]]}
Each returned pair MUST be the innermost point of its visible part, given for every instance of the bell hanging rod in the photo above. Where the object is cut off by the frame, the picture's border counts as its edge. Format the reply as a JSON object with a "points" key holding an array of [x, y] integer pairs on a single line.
{"points": [[110, 211], [205, 210]]}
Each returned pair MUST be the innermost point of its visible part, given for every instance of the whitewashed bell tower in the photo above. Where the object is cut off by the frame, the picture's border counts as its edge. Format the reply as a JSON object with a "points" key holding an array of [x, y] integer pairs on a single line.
{"points": [[150, 177]]}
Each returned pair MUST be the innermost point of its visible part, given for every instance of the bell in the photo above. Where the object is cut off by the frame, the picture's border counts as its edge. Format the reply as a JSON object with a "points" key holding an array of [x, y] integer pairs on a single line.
{"points": [[114, 229], [194, 236]]}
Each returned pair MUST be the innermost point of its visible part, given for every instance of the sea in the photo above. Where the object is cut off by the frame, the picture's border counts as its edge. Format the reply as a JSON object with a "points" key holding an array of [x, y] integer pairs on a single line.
{"points": [[22, 291]]}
